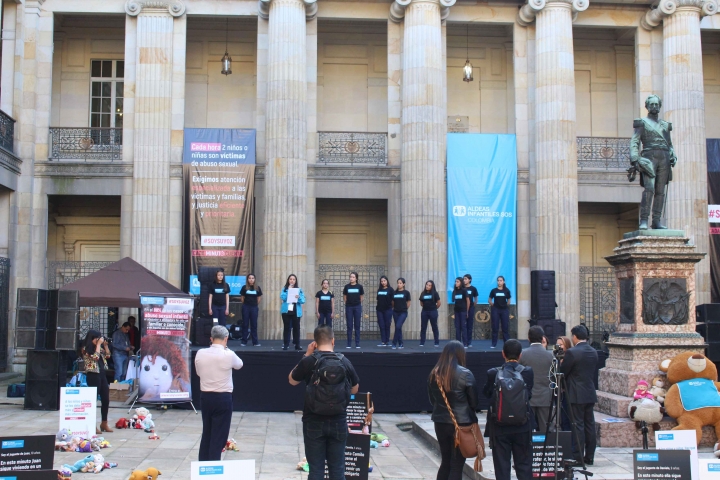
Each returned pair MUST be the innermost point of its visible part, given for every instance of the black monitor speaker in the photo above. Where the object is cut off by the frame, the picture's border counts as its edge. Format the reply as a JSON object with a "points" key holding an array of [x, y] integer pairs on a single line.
{"points": [[32, 298], [708, 313], [31, 318], [712, 332], [42, 380], [31, 338], [64, 340], [64, 300], [542, 294]]}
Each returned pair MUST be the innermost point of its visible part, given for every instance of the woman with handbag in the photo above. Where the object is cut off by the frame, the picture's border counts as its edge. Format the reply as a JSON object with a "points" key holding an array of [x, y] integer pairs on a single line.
{"points": [[453, 394]]}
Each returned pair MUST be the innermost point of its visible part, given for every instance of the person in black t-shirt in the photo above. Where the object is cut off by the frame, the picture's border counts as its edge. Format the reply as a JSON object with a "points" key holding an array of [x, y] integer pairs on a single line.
{"points": [[462, 305], [353, 297], [383, 308], [219, 299], [430, 301], [500, 315], [473, 295], [325, 436], [325, 304], [401, 303], [250, 296]]}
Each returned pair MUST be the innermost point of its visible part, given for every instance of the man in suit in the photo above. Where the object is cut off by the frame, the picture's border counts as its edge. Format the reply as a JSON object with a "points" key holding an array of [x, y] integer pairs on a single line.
{"points": [[507, 440], [540, 360], [578, 366]]}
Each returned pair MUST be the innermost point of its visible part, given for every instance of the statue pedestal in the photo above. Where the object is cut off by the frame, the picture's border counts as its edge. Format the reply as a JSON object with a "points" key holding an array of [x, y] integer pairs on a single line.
{"points": [[655, 272]]}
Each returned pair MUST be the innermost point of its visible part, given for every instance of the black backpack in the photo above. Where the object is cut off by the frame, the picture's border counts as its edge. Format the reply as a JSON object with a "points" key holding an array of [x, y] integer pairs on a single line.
{"points": [[510, 397], [328, 392]]}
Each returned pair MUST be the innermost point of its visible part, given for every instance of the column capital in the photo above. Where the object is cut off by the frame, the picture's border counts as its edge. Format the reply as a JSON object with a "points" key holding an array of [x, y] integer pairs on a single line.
{"points": [[176, 8], [527, 13], [664, 8], [397, 8], [311, 9]]}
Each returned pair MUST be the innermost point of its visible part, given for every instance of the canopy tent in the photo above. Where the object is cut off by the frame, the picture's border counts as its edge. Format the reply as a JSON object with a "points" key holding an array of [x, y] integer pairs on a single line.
{"points": [[119, 285]]}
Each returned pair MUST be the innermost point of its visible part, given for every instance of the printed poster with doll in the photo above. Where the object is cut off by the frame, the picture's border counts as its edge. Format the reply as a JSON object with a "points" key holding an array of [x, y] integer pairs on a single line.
{"points": [[164, 356]]}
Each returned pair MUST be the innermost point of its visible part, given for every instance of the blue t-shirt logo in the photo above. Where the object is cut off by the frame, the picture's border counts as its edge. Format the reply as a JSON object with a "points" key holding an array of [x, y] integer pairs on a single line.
{"points": [[428, 297], [250, 292], [458, 297], [379, 293], [353, 290], [219, 290], [399, 295], [324, 297]]}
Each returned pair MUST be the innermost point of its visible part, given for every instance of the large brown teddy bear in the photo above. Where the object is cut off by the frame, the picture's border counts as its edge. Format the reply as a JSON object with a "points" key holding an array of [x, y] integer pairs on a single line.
{"points": [[694, 397]]}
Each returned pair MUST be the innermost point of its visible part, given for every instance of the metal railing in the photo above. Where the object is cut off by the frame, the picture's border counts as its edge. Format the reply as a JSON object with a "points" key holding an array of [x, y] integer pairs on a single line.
{"points": [[598, 300], [86, 144], [352, 148], [606, 153], [7, 131]]}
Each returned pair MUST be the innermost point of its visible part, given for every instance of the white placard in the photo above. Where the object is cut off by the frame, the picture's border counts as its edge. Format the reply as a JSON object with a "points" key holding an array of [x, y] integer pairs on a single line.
{"points": [[78, 411], [709, 469], [679, 440], [714, 213], [223, 470]]}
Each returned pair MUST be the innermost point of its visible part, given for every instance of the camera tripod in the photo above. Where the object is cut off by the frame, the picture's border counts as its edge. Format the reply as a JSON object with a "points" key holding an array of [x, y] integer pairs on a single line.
{"points": [[558, 386]]}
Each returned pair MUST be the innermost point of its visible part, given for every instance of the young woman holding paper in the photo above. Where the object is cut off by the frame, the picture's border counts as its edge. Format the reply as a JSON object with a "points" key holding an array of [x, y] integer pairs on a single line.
{"points": [[293, 298]]}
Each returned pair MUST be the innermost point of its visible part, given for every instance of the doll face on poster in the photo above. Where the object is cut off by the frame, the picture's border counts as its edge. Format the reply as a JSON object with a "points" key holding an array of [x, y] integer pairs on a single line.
{"points": [[157, 376]]}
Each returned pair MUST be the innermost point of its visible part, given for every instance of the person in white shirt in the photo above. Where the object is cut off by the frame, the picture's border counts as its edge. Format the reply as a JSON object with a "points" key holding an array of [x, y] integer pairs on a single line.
{"points": [[214, 366]]}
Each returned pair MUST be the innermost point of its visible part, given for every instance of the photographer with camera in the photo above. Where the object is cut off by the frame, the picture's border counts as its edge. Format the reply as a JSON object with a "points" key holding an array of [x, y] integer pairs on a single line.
{"points": [[540, 360], [578, 366]]}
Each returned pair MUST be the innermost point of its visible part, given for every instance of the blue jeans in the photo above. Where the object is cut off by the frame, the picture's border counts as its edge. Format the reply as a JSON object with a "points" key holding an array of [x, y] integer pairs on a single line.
{"points": [[325, 440], [216, 408], [432, 316], [353, 315], [120, 360], [461, 326], [400, 318], [384, 320], [470, 324], [250, 316], [219, 313], [325, 319], [500, 317]]}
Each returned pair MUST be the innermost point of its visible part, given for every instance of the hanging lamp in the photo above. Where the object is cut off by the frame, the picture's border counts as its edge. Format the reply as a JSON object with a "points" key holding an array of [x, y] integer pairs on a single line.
{"points": [[468, 68], [226, 60]]}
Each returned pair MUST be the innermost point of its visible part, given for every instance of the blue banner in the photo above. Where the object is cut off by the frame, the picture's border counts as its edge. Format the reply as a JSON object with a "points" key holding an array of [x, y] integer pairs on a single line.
{"points": [[482, 199]]}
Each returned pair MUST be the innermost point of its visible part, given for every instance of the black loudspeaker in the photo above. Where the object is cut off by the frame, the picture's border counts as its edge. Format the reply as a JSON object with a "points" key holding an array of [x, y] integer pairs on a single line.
{"points": [[207, 274], [31, 318], [542, 294], [31, 339], [553, 329], [42, 380], [64, 340], [701, 328], [713, 352], [32, 298], [203, 300], [203, 326], [708, 313], [64, 300], [712, 332]]}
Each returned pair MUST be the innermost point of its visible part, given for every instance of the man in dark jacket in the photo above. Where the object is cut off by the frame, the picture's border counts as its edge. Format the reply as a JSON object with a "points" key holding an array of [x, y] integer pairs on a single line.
{"points": [[540, 360], [578, 366], [510, 440]]}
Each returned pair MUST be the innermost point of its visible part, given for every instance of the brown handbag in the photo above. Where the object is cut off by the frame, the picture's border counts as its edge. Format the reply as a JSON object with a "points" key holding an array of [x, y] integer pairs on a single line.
{"points": [[468, 439]]}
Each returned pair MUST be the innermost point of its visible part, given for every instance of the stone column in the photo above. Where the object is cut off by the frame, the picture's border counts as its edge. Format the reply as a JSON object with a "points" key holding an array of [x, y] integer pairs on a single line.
{"points": [[156, 26], [424, 128], [555, 148], [684, 107], [286, 129]]}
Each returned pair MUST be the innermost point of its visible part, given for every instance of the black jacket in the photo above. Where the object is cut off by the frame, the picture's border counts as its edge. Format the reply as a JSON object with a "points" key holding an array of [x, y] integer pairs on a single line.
{"points": [[529, 378], [462, 397], [579, 369]]}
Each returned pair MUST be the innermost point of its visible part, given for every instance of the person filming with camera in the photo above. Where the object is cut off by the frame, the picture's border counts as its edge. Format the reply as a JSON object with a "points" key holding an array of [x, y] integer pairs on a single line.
{"points": [[578, 366]]}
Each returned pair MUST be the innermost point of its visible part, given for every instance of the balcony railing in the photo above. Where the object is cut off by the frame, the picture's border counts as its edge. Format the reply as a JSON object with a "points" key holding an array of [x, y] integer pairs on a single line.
{"points": [[607, 153], [86, 144], [352, 148], [7, 131]]}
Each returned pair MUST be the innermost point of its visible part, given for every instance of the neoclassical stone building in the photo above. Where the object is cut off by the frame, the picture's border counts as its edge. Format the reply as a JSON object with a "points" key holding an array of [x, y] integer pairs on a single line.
{"points": [[352, 101]]}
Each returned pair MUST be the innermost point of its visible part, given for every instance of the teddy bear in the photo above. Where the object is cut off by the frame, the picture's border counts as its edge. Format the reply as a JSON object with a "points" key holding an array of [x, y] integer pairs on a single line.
{"points": [[658, 389], [694, 398], [88, 467], [231, 445], [150, 474], [77, 466], [646, 410], [147, 423]]}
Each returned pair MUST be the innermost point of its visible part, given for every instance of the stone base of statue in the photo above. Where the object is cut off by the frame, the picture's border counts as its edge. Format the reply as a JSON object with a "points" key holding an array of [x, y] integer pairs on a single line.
{"points": [[655, 272]]}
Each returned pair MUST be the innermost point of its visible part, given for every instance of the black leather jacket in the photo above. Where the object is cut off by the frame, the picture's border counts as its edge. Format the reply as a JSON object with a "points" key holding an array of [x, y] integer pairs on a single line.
{"points": [[462, 397]]}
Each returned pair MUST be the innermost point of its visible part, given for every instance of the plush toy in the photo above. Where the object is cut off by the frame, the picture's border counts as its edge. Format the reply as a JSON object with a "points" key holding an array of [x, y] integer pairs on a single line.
{"points": [[647, 410], [122, 423], [231, 445], [63, 435], [303, 465], [84, 446], [64, 473], [109, 465], [642, 391], [693, 399], [154, 436], [150, 474], [142, 412], [88, 467], [147, 423], [77, 466], [658, 389]]}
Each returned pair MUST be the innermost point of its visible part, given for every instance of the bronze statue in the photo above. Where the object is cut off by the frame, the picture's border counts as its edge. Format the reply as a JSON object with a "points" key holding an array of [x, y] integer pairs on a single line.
{"points": [[654, 161]]}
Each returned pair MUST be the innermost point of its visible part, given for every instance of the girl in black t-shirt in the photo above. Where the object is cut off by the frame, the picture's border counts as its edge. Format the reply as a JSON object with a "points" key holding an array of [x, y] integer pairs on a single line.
{"points": [[430, 301], [383, 308], [250, 296], [462, 305], [401, 303], [352, 297], [324, 304], [499, 313], [219, 299]]}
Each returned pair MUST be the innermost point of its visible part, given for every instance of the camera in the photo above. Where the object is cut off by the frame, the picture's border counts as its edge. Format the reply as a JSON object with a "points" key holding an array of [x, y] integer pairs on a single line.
{"points": [[558, 352]]}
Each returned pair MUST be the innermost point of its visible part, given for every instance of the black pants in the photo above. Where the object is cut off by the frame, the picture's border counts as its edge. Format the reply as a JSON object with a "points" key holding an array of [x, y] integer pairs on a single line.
{"points": [[291, 322], [585, 423], [515, 444], [431, 316], [500, 318], [99, 380], [216, 411], [452, 462]]}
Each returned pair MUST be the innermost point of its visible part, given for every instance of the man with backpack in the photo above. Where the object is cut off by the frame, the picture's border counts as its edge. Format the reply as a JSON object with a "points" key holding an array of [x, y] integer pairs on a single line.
{"points": [[330, 380], [509, 423]]}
